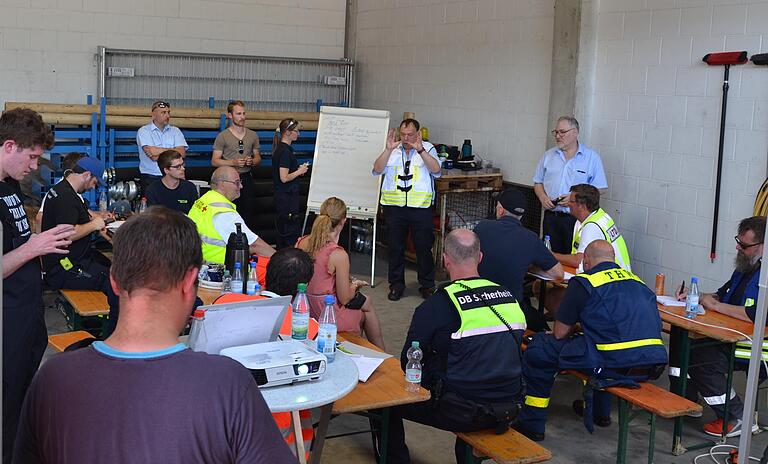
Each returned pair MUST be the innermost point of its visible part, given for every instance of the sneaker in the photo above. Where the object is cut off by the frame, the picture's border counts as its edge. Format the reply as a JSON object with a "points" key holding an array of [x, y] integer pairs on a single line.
{"points": [[715, 428]]}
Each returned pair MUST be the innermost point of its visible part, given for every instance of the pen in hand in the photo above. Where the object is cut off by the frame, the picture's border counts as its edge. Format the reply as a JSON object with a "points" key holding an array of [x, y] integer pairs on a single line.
{"points": [[682, 290]]}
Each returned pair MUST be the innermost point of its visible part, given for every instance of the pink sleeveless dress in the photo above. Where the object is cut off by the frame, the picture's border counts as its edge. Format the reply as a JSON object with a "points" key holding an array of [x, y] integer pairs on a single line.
{"points": [[323, 283]]}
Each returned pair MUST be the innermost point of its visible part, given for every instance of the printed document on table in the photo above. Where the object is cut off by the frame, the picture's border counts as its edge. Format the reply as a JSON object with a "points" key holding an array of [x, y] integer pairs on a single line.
{"points": [[366, 359], [669, 300]]}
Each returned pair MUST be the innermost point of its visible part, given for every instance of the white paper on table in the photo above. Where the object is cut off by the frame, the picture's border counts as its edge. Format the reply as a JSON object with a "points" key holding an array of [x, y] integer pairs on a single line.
{"points": [[669, 300], [115, 225], [365, 366], [352, 349]]}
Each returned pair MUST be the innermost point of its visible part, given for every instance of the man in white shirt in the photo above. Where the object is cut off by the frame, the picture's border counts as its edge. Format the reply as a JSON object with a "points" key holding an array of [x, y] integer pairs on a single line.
{"points": [[154, 138], [215, 216]]}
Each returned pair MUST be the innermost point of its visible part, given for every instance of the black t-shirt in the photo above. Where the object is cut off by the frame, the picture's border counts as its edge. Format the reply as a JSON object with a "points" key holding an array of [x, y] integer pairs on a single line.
{"points": [[509, 249], [180, 198], [15, 223], [64, 206], [283, 157]]}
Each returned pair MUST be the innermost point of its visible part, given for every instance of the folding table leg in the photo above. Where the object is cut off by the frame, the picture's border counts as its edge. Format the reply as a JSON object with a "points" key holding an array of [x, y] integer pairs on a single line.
{"points": [[621, 452], [322, 431]]}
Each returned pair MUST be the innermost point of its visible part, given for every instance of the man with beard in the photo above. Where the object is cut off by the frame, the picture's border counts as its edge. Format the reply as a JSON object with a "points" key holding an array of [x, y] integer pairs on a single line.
{"points": [[238, 147], [736, 298]]}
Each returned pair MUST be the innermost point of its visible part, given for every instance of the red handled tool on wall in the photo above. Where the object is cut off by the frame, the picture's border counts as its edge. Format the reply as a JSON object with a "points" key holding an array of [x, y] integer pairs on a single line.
{"points": [[721, 59]]}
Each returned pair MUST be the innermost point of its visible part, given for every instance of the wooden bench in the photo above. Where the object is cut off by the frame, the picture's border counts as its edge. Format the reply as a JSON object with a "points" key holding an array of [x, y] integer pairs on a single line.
{"points": [[651, 399], [511, 447], [81, 305], [60, 342]]}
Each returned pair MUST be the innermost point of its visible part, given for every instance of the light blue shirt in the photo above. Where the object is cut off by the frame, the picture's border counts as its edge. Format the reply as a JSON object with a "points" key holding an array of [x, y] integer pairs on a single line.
{"points": [[151, 135], [558, 175]]}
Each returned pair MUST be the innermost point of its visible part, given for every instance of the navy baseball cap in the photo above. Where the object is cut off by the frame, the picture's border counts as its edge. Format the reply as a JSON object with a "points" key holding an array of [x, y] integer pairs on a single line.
{"points": [[512, 200], [92, 165]]}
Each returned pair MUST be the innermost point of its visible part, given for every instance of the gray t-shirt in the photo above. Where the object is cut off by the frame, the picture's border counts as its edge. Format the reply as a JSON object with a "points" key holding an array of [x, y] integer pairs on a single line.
{"points": [[231, 149], [97, 404]]}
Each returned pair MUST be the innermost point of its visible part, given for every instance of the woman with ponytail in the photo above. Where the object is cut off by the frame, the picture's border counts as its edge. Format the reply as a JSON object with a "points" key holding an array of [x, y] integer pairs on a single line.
{"points": [[285, 172], [354, 311]]}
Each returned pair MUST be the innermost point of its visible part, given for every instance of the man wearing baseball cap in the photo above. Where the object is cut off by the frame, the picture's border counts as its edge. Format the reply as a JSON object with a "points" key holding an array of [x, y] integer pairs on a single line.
{"points": [[510, 250], [154, 138], [83, 268]]}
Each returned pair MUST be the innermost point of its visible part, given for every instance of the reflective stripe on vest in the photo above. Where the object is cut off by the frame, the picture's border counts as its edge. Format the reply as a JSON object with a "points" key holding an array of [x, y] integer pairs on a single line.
{"points": [[744, 350], [630, 344], [202, 212], [610, 275], [472, 305], [421, 192], [607, 225]]}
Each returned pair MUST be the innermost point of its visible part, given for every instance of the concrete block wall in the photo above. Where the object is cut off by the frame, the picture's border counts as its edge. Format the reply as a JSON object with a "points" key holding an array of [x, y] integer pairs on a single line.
{"points": [[47, 47], [656, 120], [469, 69]]}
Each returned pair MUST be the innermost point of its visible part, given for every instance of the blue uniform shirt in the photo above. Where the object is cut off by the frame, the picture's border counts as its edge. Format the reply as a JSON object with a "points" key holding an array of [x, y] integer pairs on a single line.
{"points": [[750, 292], [509, 249], [558, 175]]}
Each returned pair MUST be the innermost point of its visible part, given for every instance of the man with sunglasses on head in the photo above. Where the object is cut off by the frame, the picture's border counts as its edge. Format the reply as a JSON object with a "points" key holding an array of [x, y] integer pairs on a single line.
{"points": [[408, 166], [561, 167], [238, 147], [173, 191], [215, 216], [153, 139], [709, 364]]}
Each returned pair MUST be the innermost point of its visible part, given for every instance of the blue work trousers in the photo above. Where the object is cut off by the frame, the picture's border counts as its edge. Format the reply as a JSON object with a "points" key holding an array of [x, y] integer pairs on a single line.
{"points": [[542, 360]]}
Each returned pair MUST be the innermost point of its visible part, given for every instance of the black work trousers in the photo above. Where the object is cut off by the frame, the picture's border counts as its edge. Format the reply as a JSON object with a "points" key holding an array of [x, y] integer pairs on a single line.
{"points": [[401, 220], [443, 418], [89, 274], [288, 220], [22, 352], [559, 226], [245, 203], [146, 180], [708, 372]]}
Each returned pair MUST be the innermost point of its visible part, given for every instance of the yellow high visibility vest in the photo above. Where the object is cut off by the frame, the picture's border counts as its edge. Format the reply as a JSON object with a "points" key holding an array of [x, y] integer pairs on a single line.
{"points": [[202, 212]]}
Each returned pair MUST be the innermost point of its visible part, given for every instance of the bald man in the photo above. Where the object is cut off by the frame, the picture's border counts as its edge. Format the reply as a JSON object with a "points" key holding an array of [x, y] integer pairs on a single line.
{"points": [[470, 332], [620, 344], [215, 216]]}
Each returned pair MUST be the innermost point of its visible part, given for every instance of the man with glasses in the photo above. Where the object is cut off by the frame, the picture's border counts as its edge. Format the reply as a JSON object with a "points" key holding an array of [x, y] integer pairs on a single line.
{"points": [[736, 298], [567, 164], [238, 147], [153, 139], [173, 190], [409, 166], [215, 216]]}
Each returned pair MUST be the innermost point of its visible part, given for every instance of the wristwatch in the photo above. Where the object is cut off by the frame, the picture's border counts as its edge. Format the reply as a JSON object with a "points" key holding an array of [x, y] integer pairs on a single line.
{"points": [[422, 150]]}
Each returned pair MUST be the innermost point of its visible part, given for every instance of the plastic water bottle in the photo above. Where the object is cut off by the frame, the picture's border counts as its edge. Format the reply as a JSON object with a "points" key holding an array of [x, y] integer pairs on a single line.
{"points": [[326, 336], [692, 300], [253, 287], [547, 243], [300, 314], [226, 282], [198, 339], [143, 205], [237, 279], [103, 201], [413, 368]]}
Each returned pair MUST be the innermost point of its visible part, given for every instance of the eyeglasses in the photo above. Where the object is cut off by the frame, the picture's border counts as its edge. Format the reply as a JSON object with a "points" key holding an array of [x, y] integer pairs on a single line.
{"points": [[743, 245], [160, 104], [177, 166], [240, 148], [236, 182], [561, 132]]}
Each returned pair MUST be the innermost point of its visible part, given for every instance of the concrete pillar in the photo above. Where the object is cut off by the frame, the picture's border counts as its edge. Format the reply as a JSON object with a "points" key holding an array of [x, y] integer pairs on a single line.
{"points": [[573, 62]]}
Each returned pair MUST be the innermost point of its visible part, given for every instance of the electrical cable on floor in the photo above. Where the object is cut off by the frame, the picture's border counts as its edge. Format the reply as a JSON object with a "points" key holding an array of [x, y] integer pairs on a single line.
{"points": [[711, 454]]}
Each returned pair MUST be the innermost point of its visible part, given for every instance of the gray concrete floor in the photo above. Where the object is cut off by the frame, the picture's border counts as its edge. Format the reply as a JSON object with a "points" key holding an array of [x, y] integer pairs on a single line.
{"points": [[566, 436]]}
